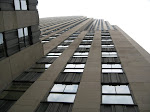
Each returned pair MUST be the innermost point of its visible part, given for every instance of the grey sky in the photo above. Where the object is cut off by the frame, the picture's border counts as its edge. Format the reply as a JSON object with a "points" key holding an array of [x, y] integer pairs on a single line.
{"points": [[130, 15]]}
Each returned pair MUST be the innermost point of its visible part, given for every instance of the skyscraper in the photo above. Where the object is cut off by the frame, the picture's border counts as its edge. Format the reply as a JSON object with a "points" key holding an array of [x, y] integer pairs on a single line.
{"points": [[88, 66]]}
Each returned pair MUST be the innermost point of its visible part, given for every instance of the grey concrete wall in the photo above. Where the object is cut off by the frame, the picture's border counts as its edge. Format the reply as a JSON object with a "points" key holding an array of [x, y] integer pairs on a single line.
{"points": [[136, 67], [143, 52], [14, 65], [38, 90], [17, 19], [88, 97]]}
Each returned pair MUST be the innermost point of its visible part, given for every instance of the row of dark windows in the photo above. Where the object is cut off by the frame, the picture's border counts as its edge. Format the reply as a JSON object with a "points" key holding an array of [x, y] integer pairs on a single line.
{"points": [[15, 40], [59, 33], [45, 23], [62, 26]]}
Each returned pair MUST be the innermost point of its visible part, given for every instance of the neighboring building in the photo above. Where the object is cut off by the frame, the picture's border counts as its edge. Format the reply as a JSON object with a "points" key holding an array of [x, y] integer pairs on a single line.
{"points": [[88, 66], [20, 46]]}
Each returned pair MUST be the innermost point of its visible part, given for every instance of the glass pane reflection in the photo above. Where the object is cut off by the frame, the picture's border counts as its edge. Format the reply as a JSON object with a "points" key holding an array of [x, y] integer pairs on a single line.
{"points": [[80, 53], [17, 4], [58, 88], [64, 88], [75, 65], [23, 5], [112, 71], [20, 32], [109, 54], [111, 65], [117, 99], [1, 38], [61, 97], [73, 70], [107, 46], [54, 54], [26, 31], [71, 88], [122, 89], [116, 89], [47, 65], [108, 89]]}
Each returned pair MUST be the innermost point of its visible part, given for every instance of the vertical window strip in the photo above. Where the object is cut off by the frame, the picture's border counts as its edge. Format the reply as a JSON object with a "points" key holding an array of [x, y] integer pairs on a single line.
{"points": [[58, 93], [119, 96]]}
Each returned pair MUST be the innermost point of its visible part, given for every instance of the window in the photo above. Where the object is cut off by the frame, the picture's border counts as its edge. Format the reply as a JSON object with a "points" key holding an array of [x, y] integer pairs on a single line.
{"points": [[119, 94], [45, 41], [62, 47], [81, 53], [107, 46], [89, 36], [55, 97], [57, 34], [19, 86], [68, 40], [111, 66], [54, 54], [84, 46], [109, 54], [119, 89], [20, 4], [23, 37], [62, 93], [2, 49], [75, 34], [65, 88], [52, 37], [75, 66], [72, 37], [105, 36], [47, 65], [112, 71], [41, 66], [11, 95], [107, 40], [80, 56], [87, 40], [73, 70], [23, 5], [117, 99]]}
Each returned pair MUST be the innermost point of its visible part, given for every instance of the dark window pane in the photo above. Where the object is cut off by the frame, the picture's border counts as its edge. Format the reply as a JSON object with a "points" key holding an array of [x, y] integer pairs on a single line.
{"points": [[10, 95], [2, 52]]}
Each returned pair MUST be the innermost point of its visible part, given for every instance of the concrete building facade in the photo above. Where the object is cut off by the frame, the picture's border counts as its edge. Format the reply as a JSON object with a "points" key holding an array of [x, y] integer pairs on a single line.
{"points": [[20, 46], [88, 65]]}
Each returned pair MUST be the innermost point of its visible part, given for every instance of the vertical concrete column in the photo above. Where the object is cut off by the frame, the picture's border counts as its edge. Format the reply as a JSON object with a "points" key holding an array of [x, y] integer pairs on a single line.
{"points": [[88, 97], [40, 88], [137, 69]]}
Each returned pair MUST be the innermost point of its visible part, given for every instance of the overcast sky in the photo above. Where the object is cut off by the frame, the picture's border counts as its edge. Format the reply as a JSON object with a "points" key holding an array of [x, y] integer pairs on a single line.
{"points": [[132, 16]]}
